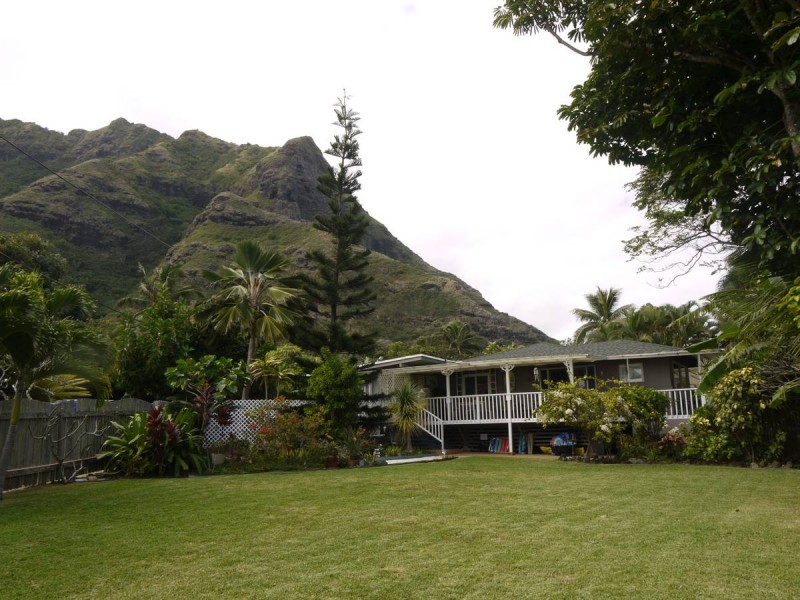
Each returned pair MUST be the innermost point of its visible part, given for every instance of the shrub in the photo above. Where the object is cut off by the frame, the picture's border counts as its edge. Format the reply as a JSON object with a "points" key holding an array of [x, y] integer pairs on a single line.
{"points": [[672, 444], [208, 405], [175, 443], [126, 452], [646, 409], [287, 437], [739, 409], [393, 450], [155, 443], [599, 411], [705, 441], [355, 445], [336, 386]]}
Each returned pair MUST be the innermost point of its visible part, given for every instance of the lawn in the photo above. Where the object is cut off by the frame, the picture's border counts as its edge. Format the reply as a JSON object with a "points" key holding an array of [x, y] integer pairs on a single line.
{"points": [[474, 527]]}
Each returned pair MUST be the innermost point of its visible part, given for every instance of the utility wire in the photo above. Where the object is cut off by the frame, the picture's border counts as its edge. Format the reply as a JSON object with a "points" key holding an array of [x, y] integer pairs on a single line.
{"points": [[86, 192]]}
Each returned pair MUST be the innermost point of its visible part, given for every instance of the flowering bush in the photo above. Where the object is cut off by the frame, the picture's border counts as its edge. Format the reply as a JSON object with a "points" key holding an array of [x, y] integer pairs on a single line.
{"points": [[740, 409], [287, 437], [599, 411], [704, 439]]}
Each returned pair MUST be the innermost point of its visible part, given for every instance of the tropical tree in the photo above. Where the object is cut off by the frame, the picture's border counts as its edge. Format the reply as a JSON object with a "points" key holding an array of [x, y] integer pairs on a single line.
{"points": [[164, 281], [283, 364], [703, 97], [341, 290], [603, 309], [407, 402], [45, 347], [759, 329], [31, 252], [461, 341], [495, 347], [337, 388], [689, 323], [149, 342], [252, 298]]}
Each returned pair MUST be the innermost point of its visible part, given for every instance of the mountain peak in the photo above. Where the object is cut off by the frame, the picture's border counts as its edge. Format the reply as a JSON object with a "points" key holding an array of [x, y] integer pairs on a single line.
{"points": [[202, 196]]}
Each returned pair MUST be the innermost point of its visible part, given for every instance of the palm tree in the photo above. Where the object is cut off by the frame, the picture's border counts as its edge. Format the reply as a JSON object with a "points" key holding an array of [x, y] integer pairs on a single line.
{"points": [[603, 309], [460, 340], [164, 281], [759, 328], [689, 323], [252, 298], [408, 401], [280, 363], [44, 346]]}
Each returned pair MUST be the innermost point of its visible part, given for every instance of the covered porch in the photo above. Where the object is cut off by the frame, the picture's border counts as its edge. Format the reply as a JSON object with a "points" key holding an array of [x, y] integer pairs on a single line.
{"points": [[520, 407], [506, 389]]}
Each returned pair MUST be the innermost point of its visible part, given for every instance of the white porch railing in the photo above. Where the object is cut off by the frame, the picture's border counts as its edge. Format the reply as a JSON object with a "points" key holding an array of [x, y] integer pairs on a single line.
{"points": [[432, 425], [683, 402], [485, 408], [493, 408]]}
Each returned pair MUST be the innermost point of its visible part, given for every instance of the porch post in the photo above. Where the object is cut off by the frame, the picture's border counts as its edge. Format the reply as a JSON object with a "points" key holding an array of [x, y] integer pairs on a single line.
{"points": [[570, 370], [508, 369], [447, 373]]}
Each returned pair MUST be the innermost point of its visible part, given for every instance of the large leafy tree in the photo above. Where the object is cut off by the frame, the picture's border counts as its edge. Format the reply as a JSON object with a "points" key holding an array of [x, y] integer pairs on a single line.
{"points": [[31, 252], [603, 308], [341, 290], [338, 389], [149, 342], [252, 298], [760, 333], [703, 96], [46, 347]]}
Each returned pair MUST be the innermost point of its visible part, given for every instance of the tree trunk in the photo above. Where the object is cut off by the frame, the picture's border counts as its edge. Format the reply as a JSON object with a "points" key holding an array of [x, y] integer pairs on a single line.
{"points": [[251, 353], [8, 446], [409, 449]]}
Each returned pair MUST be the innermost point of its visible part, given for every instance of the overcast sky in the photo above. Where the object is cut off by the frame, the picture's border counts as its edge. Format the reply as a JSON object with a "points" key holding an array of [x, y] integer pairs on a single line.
{"points": [[464, 157]]}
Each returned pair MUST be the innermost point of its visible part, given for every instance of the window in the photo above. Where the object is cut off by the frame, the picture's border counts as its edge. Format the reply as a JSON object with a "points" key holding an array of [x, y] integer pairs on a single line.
{"points": [[471, 384], [680, 376], [636, 374], [584, 375]]}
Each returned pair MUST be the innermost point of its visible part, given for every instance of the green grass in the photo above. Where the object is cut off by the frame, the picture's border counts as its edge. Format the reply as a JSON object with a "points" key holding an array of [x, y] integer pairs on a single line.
{"points": [[469, 528]]}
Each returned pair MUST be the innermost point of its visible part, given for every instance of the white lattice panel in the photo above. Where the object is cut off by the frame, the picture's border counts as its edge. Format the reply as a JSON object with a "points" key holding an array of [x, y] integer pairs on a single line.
{"points": [[389, 381], [240, 426]]}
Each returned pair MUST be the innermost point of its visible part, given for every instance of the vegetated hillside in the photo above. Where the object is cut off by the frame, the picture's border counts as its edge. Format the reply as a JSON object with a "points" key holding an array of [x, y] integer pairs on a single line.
{"points": [[198, 196]]}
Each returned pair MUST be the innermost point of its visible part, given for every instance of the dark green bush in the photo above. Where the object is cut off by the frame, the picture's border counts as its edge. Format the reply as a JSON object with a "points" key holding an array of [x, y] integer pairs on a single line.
{"points": [[155, 443]]}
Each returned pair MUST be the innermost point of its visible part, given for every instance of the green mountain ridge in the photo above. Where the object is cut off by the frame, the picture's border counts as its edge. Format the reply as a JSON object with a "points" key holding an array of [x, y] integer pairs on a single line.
{"points": [[200, 196]]}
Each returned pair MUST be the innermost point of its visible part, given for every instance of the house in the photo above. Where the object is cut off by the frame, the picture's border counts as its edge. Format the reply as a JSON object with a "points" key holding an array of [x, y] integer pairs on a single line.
{"points": [[473, 400]]}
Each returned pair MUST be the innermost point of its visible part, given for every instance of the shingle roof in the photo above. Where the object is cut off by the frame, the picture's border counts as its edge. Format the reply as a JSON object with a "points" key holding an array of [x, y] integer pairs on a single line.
{"points": [[596, 350]]}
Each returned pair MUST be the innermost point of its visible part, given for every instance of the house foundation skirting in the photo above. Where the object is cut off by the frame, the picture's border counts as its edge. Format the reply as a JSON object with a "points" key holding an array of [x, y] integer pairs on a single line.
{"points": [[476, 438]]}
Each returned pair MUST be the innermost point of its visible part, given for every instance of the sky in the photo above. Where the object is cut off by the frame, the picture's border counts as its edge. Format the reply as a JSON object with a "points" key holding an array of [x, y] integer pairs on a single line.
{"points": [[465, 159]]}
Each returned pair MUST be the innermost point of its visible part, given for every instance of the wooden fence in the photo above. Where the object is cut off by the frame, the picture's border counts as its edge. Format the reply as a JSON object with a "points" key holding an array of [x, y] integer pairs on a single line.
{"points": [[55, 441]]}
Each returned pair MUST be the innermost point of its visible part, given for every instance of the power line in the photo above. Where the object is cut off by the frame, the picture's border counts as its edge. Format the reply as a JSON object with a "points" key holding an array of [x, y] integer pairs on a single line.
{"points": [[85, 192]]}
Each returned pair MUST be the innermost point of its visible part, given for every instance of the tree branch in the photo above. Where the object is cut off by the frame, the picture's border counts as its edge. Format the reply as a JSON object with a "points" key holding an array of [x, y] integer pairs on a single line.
{"points": [[718, 61], [568, 45]]}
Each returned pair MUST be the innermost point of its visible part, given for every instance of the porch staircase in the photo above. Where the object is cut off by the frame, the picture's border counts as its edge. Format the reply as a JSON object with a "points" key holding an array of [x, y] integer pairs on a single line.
{"points": [[432, 425]]}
